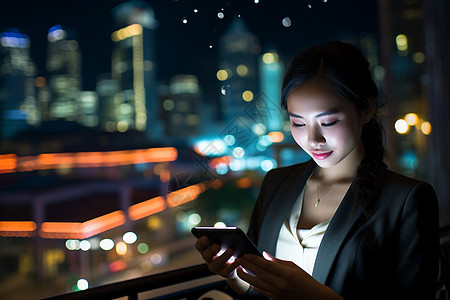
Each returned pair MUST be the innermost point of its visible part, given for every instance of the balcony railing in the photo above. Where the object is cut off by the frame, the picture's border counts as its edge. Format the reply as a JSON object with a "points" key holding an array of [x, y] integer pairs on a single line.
{"points": [[185, 283], [191, 282]]}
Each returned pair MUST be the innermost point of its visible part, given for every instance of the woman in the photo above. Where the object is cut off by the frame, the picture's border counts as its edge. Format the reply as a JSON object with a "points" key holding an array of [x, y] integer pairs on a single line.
{"points": [[341, 226]]}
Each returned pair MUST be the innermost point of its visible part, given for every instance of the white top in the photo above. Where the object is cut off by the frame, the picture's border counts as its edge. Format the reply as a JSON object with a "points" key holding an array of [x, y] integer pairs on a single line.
{"points": [[300, 245]]}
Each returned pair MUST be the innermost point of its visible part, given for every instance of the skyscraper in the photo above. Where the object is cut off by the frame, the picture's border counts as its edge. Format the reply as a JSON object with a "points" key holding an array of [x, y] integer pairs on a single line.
{"points": [[271, 74], [134, 68], [18, 107], [182, 107], [64, 68], [238, 68]]}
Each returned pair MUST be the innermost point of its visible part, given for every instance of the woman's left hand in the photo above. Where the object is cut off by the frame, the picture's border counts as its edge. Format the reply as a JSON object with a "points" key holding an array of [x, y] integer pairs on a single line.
{"points": [[280, 279]]}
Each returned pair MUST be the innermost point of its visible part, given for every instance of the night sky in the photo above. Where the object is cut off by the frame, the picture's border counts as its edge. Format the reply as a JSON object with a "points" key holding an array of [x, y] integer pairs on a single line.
{"points": [[184, 48]]}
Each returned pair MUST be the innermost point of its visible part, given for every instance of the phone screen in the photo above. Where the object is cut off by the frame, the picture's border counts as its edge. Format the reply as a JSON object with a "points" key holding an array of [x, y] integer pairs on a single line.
{"points": [[228, 237]]}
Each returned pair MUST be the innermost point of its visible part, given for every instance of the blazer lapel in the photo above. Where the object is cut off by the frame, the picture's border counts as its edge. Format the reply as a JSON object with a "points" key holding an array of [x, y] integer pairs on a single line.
{"points": [[281, 205], [338, 229]]}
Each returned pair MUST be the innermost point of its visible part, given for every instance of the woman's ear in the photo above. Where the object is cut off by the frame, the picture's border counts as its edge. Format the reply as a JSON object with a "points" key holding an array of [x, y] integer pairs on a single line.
{"points": [[370, 111]]}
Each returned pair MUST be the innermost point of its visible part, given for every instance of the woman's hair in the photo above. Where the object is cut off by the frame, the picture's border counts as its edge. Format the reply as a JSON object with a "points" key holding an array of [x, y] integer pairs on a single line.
{"points": [[346, 72]]}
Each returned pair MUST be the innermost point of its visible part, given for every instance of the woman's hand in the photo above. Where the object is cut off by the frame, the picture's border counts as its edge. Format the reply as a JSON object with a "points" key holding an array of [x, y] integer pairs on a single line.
{"points": [[217, 262], [279, 279]]}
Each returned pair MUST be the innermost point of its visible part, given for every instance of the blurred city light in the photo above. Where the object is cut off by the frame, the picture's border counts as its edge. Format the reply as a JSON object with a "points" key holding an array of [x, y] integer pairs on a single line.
{"points": [[276, 136], [268, 164], [194, 219], [82, 284], [14, 39], [146, 208], [129, 237], [85, 245], [238, 152], [212, 147], [222, 75], [121, 248], [156, 259], [401, 126], [426, 127], [229, 139], [106, 244], [247, 96], [129, 31], [17, 228], [270, 57], [220, 225], [73, 244], [12, 163], [142, 248], [411, 119], [402, 42]]}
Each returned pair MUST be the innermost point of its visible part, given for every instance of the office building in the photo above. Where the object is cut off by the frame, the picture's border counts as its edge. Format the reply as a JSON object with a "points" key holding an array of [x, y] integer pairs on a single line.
{"points": [[134, 68], [18, 106], [64, 73]]}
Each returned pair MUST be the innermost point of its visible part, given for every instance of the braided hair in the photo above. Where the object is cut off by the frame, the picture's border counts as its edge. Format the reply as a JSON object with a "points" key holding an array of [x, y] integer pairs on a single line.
{"points": [[346, 72]]}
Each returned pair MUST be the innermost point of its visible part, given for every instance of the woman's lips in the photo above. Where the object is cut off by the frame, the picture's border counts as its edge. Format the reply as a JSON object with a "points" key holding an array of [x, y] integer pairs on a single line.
{"points": [[321, 155]]}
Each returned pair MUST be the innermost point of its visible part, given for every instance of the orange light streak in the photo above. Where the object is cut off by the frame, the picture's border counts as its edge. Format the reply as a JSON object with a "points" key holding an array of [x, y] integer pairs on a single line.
{"points": [[146, 208], [78, 230], [223, 159], [17, 228], [10, 163], [185, 194]]}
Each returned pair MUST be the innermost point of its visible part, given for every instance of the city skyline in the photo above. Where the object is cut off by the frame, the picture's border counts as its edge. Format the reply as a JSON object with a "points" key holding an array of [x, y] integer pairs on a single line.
{"points": [[187, 30]]}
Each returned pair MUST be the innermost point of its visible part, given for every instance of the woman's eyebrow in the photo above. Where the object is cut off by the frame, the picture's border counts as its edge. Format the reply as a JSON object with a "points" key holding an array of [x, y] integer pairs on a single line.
{"points": [[322, 114]]}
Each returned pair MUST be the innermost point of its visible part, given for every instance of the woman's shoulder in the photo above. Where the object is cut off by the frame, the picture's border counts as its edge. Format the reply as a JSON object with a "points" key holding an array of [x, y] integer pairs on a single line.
{"points": [[394, 183]]}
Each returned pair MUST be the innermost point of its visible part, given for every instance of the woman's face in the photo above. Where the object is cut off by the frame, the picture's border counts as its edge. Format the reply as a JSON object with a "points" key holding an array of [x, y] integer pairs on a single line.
{"points": [[325, 126]]}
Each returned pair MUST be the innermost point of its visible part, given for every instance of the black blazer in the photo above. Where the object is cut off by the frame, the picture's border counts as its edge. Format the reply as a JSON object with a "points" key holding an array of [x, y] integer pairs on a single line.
{"points": [[391, 254]]}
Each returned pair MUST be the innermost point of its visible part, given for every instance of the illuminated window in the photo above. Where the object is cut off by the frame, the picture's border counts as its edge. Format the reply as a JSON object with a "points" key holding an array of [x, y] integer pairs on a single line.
{"points": [[177, 118], [242, 70], [192, 119], [168, 104], [122, 126]]}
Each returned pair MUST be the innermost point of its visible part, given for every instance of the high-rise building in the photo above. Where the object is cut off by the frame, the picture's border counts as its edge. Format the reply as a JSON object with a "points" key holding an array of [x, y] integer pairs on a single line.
{"points": [[18, 107], [181, 107], [238, 69], [87, 108], [134, 68], [107, 90], [271, 74], [64, 68]]}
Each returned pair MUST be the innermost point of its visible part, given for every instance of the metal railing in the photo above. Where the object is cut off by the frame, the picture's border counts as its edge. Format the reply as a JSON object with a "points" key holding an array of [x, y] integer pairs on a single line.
{"points": [[186, 283]]}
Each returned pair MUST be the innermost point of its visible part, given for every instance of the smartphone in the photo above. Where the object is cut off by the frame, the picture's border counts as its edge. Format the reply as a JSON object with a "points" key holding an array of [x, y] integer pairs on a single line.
{"points": [[228, 237]]}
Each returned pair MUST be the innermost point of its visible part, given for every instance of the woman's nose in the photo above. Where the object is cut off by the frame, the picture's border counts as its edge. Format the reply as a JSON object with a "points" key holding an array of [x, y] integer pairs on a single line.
{"points": [[315, 137]]}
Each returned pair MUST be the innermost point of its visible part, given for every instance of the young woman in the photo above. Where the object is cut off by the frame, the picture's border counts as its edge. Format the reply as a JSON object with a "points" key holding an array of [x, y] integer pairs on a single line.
{"points": [[341, 226]]}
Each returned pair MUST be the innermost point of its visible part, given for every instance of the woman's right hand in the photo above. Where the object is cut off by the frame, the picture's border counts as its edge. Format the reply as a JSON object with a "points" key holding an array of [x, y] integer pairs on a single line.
{"points": [[217, 263]]}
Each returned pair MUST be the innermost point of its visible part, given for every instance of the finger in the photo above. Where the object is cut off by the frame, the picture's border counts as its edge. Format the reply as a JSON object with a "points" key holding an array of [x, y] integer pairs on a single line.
{"points": [[263, 292], [202, 243], [255, 282], [286, 263], [210, 253], [219, 261]]}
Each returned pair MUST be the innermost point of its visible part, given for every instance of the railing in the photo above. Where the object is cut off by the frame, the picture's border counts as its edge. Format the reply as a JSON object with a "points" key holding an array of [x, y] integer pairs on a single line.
{"points": [[186, 283], [191, 282]]}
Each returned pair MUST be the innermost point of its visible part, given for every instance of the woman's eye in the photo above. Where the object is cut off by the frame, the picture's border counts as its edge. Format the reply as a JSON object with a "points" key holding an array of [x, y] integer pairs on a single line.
{"points": [[330, 123], [297, 125]]}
